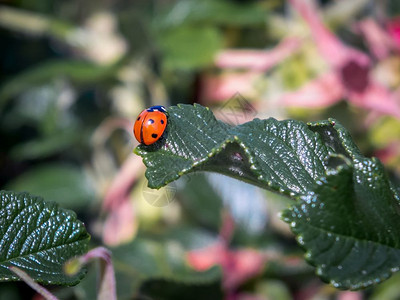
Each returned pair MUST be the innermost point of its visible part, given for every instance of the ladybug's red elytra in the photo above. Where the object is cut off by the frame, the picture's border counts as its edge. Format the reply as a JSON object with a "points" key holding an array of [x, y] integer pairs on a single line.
{"points": [[150, 125]]}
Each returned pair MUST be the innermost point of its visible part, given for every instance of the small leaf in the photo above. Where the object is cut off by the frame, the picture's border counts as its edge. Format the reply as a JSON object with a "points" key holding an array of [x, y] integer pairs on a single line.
{"points": [[38, 237], [350, 226]]}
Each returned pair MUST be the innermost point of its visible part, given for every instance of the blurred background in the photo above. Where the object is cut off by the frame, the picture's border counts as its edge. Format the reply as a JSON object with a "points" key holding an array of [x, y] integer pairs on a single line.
{"points": [[75, 74]]}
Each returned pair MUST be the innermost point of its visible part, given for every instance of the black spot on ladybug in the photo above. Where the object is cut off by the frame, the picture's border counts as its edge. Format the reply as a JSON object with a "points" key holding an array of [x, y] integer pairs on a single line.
{"points": [[153, 135], [138, 119], [162, 121], [150, 121]]}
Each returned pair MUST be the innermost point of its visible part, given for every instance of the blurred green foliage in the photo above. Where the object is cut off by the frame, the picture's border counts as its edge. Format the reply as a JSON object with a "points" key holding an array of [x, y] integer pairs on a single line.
{"points": [[75, 74]]}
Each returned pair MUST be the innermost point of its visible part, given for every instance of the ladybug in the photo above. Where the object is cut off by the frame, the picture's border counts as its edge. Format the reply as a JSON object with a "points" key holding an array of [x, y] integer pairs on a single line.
{"points": [[150, 125]]}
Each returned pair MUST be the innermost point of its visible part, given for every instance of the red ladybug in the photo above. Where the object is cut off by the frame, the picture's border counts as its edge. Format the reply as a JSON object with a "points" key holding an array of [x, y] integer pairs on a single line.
{"points": [[150, 125]]}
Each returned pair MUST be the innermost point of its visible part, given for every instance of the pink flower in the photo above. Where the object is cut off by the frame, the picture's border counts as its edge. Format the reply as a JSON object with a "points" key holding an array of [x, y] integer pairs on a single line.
{"points": [[242, 69], [351, 67], [393, 27], [121, 224], [223, 87], [379, 41], [321, 92], [237, 265], [257, 60]]}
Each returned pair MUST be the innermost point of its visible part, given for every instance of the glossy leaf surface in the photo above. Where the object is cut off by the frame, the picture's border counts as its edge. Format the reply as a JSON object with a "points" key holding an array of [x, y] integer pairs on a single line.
{"points": [[38, 237], [346, 214]]}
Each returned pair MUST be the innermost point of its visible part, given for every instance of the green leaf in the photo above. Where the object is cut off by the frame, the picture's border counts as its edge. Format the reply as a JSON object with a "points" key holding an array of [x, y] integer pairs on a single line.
{"points": [[65, 184], [336, 137], [279, 155], [38, 237], [346, 212], [350, 226]]}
